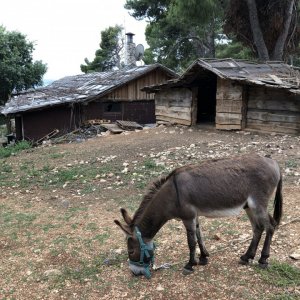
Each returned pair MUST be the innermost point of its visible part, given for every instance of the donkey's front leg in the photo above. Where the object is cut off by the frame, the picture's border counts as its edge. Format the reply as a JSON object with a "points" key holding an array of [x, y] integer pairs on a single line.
{"points": [[190, 226]]}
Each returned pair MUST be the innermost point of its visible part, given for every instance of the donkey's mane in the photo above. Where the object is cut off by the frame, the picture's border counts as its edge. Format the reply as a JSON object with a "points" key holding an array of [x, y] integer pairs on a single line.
{"points": [[148, 197]]}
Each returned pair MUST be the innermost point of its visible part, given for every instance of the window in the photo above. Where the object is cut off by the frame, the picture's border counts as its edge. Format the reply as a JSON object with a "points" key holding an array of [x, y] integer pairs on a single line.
{"points": [[112, 107]]}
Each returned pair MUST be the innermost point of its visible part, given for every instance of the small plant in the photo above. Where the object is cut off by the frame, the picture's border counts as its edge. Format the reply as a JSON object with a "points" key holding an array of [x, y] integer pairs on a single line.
{"points": [[291, 164], [150, 164]]}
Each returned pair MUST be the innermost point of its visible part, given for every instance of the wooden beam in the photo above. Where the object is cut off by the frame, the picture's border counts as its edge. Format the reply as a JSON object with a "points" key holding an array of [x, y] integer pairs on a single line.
{"points": [[271, 116], [173, 120], [228, 127]]}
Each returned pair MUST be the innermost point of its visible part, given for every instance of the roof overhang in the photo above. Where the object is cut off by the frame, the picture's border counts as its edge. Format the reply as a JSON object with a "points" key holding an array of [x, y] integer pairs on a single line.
{"points": [[269, 74]]}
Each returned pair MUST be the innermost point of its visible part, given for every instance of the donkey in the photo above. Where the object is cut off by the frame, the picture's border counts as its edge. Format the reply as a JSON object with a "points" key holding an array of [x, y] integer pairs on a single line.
{"points": [[214, 188]]}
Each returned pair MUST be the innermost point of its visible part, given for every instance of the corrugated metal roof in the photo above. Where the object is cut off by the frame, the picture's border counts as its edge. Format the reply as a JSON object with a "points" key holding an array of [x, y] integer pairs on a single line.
{"points": [[78, 88], [271, 74]]}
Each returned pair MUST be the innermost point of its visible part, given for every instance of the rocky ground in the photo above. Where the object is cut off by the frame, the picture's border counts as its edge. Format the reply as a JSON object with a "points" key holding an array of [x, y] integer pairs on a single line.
{"points": [[58, 203]]}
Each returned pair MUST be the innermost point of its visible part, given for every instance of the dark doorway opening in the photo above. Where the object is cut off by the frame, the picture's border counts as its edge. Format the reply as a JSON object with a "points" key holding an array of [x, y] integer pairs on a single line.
{"points": [[19, 128], [206, 99]]}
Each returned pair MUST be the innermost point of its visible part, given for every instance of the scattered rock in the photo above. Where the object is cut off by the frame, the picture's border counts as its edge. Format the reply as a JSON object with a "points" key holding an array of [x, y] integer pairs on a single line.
{"points": [[295, 256], [118, 251], [65, 203], [160, 288], [217, 237], [52, 272]]}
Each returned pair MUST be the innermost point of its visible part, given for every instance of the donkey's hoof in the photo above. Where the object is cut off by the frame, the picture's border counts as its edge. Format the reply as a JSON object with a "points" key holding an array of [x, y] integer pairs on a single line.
{"points": [[244, 262], [187, 271], [246, 259], [263, 265], [203, 261]]}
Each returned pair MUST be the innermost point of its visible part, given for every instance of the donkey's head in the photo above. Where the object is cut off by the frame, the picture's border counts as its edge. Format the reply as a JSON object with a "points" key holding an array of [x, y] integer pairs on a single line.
{"points": [[140, 253]]}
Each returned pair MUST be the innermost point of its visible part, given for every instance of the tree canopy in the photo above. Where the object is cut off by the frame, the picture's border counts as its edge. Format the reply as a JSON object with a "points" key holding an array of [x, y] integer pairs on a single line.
{"points": [[270, 28], [179, 31], [108, 55], [18, 71]]}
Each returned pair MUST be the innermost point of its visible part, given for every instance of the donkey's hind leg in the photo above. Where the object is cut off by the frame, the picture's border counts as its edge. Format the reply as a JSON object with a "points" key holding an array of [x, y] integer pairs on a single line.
{"points": [[203, 252], [258, 226], [265, 253], [190, 226]]}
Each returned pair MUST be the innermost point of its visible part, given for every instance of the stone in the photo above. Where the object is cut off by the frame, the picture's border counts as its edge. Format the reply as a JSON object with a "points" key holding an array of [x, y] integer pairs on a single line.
{"points": [[52, 272]]}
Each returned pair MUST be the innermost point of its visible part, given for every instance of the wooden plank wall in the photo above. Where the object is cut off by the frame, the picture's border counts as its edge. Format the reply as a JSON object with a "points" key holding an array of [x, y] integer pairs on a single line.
{"points": [[229, 105], [273, 110], [132, 90], [174, 106]]}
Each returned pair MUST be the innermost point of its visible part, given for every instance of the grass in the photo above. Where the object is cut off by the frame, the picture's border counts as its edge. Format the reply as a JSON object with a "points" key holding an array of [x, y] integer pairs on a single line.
{"points": [[84, 271], [280, 274], [47, 176], [291, 163], [56, 155], [286, 296], [12, 150], [12, 219], [83, 177]]}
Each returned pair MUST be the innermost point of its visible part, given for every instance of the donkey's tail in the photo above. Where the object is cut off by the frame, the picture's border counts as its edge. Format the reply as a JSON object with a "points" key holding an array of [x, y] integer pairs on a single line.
{"points": [[278, 202]]}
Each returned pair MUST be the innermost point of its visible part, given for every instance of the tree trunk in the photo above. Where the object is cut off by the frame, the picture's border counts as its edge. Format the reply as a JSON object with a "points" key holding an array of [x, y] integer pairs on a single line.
{"points": [[281, 41], [258, 38]]}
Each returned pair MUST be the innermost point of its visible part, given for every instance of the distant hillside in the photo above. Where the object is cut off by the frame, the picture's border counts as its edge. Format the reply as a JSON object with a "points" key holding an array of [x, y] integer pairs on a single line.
{"points": [[47, 81]]}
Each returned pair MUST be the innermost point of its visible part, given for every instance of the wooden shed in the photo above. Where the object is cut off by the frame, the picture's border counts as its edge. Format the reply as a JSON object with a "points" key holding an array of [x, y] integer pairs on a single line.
{"points": [[234, 94], [67, 103]]}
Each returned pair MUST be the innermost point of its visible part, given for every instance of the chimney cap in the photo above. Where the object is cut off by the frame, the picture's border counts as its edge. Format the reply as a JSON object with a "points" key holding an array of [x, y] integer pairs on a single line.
{"points": [[129, 34]]}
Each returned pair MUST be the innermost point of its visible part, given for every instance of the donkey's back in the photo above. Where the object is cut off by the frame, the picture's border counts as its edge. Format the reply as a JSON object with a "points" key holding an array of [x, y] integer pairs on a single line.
{"points": [[224, 187]]}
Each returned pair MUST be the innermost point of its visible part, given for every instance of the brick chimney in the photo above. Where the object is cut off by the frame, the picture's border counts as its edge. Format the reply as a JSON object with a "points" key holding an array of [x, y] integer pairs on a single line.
{"points": [[130, 50]]}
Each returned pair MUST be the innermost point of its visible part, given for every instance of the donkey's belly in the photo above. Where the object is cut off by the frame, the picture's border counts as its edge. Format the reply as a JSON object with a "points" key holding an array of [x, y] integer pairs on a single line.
{"points": [[226, 212]]}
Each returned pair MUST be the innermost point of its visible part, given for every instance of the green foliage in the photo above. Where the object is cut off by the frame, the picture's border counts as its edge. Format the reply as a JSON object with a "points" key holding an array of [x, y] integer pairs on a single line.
{"points": [[150, 164], [109, 53], [18, 71], [233, 49], [152, 10], [178, 31], [10, 150]]}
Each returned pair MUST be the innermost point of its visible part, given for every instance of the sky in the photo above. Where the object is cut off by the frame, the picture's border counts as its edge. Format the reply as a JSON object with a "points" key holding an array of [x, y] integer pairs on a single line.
{"points": [[65, 32]]}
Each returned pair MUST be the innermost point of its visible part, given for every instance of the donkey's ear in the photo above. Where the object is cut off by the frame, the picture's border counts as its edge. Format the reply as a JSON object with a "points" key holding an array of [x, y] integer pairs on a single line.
{"points": [[125, 228], [126, 216]]}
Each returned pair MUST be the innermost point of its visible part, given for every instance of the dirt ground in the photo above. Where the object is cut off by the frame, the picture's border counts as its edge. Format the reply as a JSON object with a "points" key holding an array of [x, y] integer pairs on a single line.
{"points": [[58, 202]]}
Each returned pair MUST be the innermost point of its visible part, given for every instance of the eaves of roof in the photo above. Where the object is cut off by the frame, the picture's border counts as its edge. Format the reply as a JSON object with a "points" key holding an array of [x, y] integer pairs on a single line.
{"points": [[269, 74], [78, 88]]}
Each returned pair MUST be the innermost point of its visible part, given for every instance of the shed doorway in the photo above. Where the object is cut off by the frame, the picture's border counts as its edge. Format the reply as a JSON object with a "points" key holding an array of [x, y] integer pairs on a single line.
{"points": [[206, 99]]}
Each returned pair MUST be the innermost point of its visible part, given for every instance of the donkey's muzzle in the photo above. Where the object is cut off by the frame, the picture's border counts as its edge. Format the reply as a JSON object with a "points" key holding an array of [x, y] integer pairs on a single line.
{"points": [[139, 270]]}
